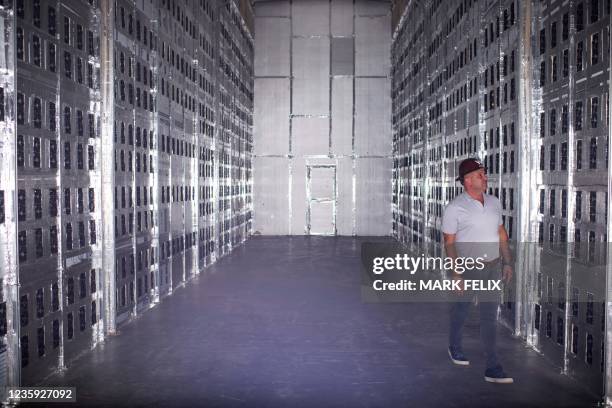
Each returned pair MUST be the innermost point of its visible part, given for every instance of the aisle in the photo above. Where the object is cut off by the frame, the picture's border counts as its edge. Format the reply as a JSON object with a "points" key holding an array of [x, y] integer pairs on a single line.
{"points": [[280, 322]]}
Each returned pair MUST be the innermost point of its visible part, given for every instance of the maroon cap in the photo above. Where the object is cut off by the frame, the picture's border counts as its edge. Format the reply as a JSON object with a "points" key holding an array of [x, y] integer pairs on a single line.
{"points": [[468, 166]]}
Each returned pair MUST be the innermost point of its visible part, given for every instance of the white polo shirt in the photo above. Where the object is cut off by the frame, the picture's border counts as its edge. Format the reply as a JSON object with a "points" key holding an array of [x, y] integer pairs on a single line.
{"points": [[476, 226]]}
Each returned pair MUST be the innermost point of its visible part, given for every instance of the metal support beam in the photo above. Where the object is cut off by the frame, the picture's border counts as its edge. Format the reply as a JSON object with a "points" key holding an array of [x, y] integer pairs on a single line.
{"points": [[107, 275], [9, 268], [608, 247]]}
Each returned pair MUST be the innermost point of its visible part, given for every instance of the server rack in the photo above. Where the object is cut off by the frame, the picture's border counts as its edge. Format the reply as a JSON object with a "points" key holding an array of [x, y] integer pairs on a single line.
{"points": [[572, 194], [127, 135], [524, 87], [58, 210]]}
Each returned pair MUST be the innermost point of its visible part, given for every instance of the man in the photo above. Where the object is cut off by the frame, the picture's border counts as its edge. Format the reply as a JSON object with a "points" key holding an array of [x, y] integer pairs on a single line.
{"points": [[472, 227]]}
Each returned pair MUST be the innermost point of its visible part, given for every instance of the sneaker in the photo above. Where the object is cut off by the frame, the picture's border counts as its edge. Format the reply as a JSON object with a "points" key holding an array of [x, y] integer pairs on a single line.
{"points": [[498, 376], [458, 357]]}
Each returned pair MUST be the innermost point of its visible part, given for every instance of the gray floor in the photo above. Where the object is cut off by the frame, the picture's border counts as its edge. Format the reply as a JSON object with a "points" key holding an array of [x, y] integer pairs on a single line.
{"points": [[280, 322]]}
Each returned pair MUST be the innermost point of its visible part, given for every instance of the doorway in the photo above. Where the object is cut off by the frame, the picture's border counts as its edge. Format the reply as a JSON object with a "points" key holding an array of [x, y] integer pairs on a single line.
{"points": [[321, 196]]}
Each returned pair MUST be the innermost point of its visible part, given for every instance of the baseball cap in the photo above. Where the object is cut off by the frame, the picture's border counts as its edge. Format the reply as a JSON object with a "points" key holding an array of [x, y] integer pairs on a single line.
{"points": [[468, 166]]}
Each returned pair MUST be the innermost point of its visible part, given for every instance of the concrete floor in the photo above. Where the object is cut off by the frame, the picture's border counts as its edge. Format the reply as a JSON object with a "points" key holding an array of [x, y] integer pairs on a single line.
{"points": [[280, 323]]}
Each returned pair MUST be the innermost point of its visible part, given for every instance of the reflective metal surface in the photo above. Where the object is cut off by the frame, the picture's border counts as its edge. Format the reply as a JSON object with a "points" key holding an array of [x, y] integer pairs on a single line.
{"points": [[126, 164], [523, 86], [322, 99]]}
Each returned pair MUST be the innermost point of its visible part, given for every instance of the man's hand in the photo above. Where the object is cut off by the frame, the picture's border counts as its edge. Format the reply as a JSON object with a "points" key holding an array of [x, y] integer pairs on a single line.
{"points": [[507, 273]]}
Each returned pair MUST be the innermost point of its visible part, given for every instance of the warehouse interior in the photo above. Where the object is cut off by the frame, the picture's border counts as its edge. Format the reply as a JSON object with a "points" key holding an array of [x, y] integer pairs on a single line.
{"points": [[186, 186]]}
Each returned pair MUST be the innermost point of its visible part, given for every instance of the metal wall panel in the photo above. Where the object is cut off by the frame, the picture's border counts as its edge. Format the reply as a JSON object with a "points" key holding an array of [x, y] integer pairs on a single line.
{"points": [[299, 197], [372, 208], [272, 49], [345, 200], [342, 56], [310, 58], [372, 38], [371, 8], [271, 209], [310, 136], [342, 18], [272, 8], [310, 96], [342, 116], [372, 118], [310, 18], [323, 119], [272, 115]]}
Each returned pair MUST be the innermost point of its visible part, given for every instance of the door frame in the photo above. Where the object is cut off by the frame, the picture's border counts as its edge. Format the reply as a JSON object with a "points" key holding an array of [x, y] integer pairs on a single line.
{"points": [[310, 199]]}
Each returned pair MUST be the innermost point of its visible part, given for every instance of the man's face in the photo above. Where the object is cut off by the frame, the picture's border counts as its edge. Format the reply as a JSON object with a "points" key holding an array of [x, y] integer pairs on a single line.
{"points": [[476, 180]]}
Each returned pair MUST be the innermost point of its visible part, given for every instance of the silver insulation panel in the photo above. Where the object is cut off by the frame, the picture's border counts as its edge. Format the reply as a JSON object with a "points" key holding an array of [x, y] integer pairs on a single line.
{"points": [[126, 158], [525, 87], [322, 102]]}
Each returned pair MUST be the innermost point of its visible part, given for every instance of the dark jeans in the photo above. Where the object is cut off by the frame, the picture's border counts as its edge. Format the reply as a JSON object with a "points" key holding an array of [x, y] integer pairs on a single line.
{"points": [[488, 317]]}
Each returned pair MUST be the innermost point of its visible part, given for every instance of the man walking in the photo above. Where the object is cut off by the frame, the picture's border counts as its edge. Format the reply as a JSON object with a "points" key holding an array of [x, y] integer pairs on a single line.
{"points": [[472, 227]]}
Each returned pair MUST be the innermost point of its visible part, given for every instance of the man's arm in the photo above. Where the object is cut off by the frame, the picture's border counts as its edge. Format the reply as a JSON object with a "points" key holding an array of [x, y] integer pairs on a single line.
{"points": [[451, 252], [506, 255], [449, 245], [503, 245], [449, 232]]}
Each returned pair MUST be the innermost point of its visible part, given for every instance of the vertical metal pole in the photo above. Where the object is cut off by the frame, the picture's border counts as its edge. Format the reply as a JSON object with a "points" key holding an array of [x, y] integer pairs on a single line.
{"points": [[61, 363], [130, 180], [196, 137], [217, 134], [608, 332], [107, 274], [570, 195], [155, 199], [290, 147], [96, 182], [353, 112], [526, 163], [9, 269], [427, 175]]}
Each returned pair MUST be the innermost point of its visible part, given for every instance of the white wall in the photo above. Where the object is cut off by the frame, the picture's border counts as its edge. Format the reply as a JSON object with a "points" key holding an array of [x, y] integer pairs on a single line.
{"points": [[322, 98]]}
